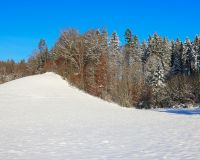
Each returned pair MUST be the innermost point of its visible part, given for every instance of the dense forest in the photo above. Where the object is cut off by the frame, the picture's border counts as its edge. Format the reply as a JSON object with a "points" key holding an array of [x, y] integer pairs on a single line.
{"points": [[156, 73]]}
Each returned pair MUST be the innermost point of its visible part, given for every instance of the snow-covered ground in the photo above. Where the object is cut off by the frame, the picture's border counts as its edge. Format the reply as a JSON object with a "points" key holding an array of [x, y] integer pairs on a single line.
{"points": [[43, 118]]}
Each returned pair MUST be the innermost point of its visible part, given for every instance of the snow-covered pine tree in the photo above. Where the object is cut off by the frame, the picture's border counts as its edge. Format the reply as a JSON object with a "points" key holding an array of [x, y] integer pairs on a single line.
{"points": [[43, 49], [196, 48], [136, 69], [43, 54], [156, 68], [177, 58], [129, 39], [157, 79], [132, 54], [172, 54], [166, 57], [92, 43], [156, 54], [114, 42], [125, 84], [144, 56], [188, 58], [126, 53]]}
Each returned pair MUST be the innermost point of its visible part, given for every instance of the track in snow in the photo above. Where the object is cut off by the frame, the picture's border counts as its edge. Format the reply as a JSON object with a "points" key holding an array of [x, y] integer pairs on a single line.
{"points": [[42, 117]]}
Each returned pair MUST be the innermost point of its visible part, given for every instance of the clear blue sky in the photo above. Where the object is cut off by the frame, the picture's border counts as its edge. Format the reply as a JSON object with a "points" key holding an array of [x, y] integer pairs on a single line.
{"points": [[24, 22]]}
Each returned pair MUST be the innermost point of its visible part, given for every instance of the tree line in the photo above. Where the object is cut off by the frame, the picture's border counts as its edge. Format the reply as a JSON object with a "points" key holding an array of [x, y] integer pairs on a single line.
{"points": [[156, 73]]}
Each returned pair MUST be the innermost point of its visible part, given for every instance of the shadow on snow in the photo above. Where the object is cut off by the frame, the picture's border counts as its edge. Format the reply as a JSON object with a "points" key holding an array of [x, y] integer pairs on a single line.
{"points": [[182, 111]]}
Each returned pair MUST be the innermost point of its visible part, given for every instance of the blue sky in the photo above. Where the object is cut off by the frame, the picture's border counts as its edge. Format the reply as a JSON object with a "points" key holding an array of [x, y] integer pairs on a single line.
{"points": [[24, 22]]}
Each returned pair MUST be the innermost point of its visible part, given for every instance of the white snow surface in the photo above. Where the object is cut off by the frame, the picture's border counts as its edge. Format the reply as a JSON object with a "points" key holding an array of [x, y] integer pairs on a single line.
{"points": [[43, 118]]}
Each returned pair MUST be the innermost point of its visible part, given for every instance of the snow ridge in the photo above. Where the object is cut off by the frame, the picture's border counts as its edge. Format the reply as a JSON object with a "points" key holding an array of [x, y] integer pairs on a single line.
{"points": [[43, 117]]}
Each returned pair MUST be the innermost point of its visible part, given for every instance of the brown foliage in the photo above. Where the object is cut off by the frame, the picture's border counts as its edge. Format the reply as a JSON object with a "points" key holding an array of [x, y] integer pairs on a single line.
{"points": [[101, 75]]}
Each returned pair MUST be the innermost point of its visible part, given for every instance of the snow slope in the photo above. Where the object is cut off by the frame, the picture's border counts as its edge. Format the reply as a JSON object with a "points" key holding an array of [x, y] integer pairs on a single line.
{"points": [[43, 118]]}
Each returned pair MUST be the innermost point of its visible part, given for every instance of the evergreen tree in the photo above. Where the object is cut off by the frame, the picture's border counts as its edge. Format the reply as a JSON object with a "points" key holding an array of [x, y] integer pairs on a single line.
{"points": [[158, 79], [166, 57], [114, 42], [114, 54], [144, 56], [127, 48], [177, 59], [172, 60], [135, 50], [43, 53], [188, 57], [144, 51], [128, 36], [156, 58], [196, 48]]}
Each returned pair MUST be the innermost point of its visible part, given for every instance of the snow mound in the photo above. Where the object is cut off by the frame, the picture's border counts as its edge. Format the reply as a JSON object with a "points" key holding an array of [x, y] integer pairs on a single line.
{"points": [[43, 117]]}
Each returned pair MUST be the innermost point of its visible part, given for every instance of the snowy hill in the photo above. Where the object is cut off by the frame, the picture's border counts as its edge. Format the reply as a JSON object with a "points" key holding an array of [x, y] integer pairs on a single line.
{"points": [[43, 118]]}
